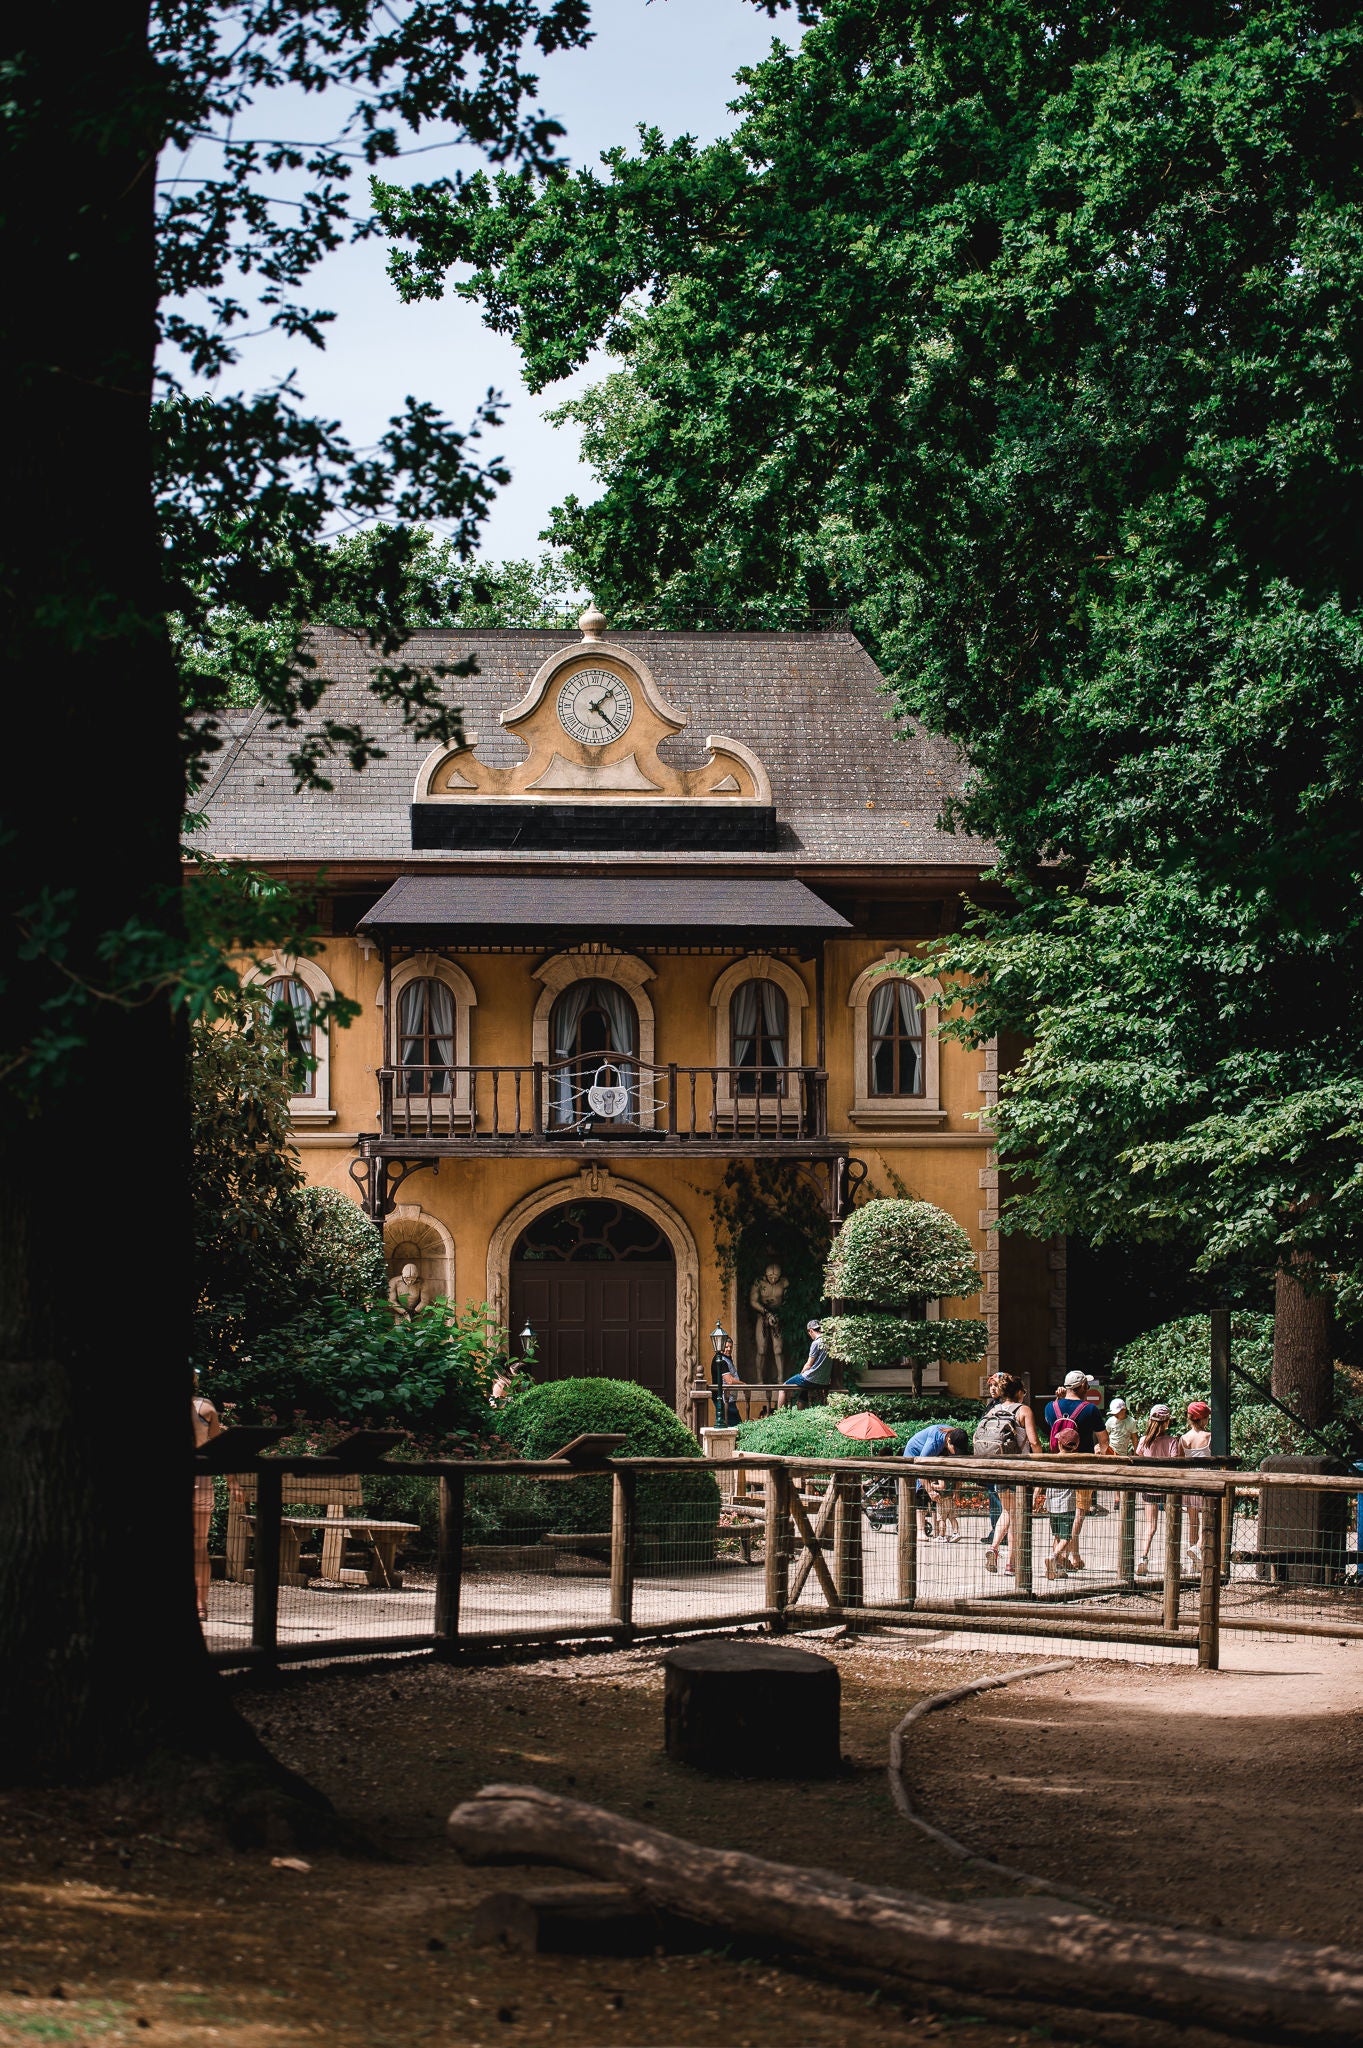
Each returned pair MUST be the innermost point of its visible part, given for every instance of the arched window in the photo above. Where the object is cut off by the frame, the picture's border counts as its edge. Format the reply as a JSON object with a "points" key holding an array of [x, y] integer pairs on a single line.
{"points": [[592, 1025], [894, 1023], [759, 1027], [292, 1002], [425, 1037]]}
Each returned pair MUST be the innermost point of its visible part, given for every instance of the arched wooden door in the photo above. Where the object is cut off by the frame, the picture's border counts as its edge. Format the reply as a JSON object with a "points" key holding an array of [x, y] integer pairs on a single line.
{"points": [[597, 1283]]}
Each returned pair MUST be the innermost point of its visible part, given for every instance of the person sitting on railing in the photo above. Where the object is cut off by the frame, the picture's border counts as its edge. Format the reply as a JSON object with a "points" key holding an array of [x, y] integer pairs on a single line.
{"points": [[816, 1371]]}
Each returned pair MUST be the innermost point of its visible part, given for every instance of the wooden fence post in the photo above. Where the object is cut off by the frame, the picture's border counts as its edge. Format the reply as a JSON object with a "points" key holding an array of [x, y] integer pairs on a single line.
{"points": [[850, 1554], [449, 1563], [775, 1530], [623, 1485], [1126, 1540], [265, 1577], [1022, 1540], [1227, 1531], [906, 1545], [1173, 1556], [1209, 1597]]}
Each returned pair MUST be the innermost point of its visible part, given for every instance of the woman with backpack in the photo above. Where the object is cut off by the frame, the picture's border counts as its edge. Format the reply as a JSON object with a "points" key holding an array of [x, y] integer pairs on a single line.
{"points": [[1007, 1429]]}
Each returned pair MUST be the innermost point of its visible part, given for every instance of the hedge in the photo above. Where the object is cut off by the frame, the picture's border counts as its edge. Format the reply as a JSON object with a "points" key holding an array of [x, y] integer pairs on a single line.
{"points": [[679, 1508]]}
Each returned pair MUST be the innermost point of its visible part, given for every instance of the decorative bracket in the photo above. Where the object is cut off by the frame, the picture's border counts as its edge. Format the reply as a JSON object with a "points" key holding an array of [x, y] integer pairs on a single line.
{"points": [[379, 1179]]}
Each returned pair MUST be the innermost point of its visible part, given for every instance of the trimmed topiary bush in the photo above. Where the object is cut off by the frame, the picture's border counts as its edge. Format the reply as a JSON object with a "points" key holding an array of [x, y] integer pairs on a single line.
{"points": [[888, 1261], [678, 1512]]}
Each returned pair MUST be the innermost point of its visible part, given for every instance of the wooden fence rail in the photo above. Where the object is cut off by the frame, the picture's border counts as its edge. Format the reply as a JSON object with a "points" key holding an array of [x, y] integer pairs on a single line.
{"points": [[811, 1520]]}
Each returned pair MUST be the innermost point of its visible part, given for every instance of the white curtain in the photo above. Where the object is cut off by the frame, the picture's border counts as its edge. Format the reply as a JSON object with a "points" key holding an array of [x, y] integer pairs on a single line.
{"points": [[885, 1080], [754, 1001], [289, 989], [426, 1026], [567, 1083]]}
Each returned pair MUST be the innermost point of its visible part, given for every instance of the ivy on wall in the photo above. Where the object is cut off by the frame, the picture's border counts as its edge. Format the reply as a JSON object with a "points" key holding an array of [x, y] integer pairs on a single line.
{"points": [[766, 1210]]}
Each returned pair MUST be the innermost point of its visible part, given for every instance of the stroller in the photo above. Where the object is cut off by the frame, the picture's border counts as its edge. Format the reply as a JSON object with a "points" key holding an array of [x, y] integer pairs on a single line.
{"points": [[880, 1501]]}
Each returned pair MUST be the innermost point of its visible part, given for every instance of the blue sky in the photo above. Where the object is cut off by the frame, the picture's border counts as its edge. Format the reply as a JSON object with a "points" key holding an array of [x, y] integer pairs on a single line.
{"points": [[668, 63]]}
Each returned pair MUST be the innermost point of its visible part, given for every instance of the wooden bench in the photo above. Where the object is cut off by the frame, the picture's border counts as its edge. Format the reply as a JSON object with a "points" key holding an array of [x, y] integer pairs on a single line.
{"points": [[334, 1493]]}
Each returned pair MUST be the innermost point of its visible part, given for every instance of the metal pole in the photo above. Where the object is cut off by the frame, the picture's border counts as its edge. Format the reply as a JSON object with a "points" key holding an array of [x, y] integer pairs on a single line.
{"points": [[449, 1563], [622, 1548], [1209, 1598], [1220, 1379], [906, 1547], [265, 1578]]}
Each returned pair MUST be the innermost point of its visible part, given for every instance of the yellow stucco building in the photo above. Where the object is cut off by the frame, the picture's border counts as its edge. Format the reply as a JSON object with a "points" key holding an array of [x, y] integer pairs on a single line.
{"points": [[664, 909]]}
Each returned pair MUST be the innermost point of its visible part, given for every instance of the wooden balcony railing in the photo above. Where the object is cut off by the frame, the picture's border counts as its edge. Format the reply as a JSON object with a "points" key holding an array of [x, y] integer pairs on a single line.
{"points": [[559, 1102]]}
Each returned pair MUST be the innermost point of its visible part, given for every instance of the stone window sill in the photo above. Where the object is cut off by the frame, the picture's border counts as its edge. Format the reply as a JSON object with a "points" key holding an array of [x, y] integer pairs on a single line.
{"points": [[891, 1115]]}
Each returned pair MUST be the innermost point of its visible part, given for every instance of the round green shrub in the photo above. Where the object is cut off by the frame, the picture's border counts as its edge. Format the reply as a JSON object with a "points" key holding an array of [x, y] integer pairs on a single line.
{"points": [[870, 1341], [677, 1511], [814, 1432], [342, 1248], [889, 1254]]}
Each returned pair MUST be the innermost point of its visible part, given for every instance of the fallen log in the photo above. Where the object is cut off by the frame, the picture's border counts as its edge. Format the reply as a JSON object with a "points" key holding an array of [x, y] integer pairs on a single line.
{"points": [[1030, 1949]]}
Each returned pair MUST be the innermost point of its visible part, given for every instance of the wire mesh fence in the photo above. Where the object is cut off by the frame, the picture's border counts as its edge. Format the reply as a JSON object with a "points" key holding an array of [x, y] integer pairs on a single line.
{"points": [[1131, 1559]]}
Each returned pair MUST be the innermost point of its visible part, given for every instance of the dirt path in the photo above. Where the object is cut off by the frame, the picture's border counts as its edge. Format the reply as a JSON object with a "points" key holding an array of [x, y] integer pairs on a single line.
{"points": [[1230, 1799], [147, 1940]]}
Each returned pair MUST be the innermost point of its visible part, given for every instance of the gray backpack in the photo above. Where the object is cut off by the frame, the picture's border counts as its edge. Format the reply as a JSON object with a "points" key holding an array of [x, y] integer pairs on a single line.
{"points": [[997, 1434]]}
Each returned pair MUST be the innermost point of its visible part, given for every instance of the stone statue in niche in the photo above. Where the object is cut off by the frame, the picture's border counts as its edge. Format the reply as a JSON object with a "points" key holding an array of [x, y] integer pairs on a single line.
{"points": [[765, 1298], [406, 1294]]}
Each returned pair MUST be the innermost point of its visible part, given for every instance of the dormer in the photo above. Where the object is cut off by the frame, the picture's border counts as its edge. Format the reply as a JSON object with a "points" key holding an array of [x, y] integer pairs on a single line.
{"points": [[592, 722]]}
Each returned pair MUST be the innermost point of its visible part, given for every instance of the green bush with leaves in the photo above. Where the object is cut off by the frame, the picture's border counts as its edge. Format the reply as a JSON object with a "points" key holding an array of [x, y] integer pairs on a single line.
{"points": [[267, 1248], [430, 1375], [678, 1510], [1172, 1363], [342, 1249], [888, 1260], [814, 1432]]}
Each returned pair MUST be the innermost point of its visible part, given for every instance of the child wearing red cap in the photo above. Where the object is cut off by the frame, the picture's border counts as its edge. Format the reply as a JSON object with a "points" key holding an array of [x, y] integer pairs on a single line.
{"points": [[1195, 1442]]}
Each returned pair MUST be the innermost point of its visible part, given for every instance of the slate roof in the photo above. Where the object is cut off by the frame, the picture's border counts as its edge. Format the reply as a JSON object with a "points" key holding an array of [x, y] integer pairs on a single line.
{"points": [[627, 907], [848, 785]]}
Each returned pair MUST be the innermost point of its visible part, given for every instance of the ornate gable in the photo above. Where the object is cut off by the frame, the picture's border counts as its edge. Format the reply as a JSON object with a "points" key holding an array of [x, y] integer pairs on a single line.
{"points": [[592, 722]]}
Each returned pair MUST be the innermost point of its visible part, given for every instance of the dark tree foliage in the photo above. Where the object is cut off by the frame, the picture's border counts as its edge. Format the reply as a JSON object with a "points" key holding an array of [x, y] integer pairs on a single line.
{"points": [[1032, 334], [267, 1248], [141, 507]]}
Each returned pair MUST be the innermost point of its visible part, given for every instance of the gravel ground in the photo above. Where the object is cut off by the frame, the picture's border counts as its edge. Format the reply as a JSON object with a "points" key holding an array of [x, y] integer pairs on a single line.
{"points": [[1227, 1800]]}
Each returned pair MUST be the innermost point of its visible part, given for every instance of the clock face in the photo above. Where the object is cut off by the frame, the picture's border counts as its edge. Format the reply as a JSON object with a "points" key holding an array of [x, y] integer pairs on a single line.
{"points": [[594, 706]]}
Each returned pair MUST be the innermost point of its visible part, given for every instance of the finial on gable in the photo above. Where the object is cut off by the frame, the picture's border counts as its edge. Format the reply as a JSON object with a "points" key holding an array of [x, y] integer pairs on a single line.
{"points": [[592, 621]]}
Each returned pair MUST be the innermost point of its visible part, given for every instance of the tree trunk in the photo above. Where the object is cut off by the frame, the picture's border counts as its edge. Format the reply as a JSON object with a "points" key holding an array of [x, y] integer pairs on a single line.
{"points": [[1303, 1348], [104, 1660]]}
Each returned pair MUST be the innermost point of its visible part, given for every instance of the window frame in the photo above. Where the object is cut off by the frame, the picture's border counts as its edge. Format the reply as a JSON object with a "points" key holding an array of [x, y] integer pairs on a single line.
{"points": [[895, 1112], [314, 1107]]}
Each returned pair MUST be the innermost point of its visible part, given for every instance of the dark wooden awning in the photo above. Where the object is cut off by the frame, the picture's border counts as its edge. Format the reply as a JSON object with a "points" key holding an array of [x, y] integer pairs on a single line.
{"points": [[653, 910]]}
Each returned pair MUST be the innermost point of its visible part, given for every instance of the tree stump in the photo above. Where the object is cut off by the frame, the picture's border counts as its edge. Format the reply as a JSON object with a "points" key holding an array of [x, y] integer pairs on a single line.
{"points": [[753, 1710]]}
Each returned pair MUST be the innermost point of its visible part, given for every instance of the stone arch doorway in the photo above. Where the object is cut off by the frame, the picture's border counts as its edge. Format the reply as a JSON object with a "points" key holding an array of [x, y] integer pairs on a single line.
{"points": [[596, 1279]]}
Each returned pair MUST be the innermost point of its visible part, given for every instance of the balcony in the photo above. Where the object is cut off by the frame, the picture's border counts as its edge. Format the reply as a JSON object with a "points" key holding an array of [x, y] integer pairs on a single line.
{"points": [[597, 1105]]}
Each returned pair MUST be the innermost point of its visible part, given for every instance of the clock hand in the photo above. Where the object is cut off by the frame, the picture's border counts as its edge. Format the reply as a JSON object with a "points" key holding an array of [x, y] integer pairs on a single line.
{"points": [[606, 697]]}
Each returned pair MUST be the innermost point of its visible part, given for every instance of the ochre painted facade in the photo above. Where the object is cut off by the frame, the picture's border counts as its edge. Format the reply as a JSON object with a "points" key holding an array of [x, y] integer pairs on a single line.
{"points": [[471, 1198], [680, 815]]}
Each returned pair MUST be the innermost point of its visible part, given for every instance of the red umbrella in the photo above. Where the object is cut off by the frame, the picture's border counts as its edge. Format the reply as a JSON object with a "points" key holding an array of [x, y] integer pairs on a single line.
{"points": [[866, 1428]]}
